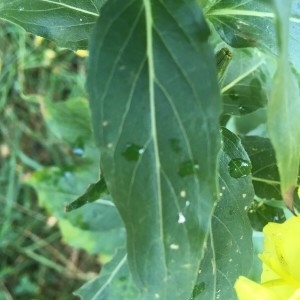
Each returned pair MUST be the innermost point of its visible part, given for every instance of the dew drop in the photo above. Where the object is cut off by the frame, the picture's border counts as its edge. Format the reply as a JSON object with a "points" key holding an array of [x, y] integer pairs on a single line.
{"points": [[80, 20], [141, 151], [133, 152], [181, 218], [21, 8], [187, 203], [244, 196], [239, 167], [157, 296], [104, 123]]}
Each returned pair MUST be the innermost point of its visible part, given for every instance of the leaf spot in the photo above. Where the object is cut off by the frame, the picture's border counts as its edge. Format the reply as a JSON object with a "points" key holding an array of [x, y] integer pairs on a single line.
{"points": [[174, 246], [183, 193], [181, 218]]}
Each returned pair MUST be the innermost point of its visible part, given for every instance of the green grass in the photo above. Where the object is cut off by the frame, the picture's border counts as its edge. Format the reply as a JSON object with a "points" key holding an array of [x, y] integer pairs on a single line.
{"points": [[35, 261]]}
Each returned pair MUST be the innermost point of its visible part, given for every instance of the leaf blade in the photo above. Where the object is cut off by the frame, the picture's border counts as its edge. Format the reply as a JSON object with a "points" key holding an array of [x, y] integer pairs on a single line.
{"points": [[155, 130], [284, 112], [66, 22]]}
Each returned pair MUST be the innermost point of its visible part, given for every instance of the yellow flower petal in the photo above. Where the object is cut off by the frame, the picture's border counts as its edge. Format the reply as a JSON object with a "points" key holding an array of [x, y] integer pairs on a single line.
{"points": [[282, 246], [247, 289]]}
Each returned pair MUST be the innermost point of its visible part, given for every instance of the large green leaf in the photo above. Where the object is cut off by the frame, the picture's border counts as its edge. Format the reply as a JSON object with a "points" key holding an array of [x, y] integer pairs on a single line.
{"points": [[229, 250], [68, 22], [155, 107], [244, 23], [284, 110]]}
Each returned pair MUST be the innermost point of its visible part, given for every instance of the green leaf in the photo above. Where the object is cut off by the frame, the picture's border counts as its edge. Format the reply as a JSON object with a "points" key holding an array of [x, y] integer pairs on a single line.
{"points": [[69, 121], [67, 22], [93, 193], [96, 227], [247, 84], [114, 282], [243, 23], [229, 250], [284, 110], [155, 106], [265, 173], [260, 214]]}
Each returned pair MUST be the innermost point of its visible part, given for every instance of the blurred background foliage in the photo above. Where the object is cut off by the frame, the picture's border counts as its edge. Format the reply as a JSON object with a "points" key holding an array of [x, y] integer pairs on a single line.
{"points": [[47, 159]]}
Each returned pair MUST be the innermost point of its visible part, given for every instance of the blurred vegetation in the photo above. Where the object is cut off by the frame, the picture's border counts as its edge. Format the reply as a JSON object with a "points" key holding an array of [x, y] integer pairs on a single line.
{"points": [[36, 262]]}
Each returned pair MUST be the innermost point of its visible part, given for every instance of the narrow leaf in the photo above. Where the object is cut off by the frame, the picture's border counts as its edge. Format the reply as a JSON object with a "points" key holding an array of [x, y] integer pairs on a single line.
{"points": [[229, 250], [155, 107], [93, 192], [284, 110]]}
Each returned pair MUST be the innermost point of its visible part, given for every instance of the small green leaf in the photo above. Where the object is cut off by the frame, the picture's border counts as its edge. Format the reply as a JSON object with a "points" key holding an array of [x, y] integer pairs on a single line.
{"points": [[247, 83], [93, 193]]}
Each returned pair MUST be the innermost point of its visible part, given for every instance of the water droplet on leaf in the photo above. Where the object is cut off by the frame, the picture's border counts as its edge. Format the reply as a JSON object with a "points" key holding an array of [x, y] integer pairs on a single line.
{"points": [[133, 152], [239, 167]]}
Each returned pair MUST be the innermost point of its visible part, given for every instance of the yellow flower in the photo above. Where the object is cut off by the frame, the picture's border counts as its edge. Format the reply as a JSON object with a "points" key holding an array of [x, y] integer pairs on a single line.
{"points": [[281, 263]]}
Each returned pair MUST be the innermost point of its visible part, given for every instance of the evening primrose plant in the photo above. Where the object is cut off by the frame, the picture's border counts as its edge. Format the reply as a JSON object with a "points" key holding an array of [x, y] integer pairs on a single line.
{"points": [[195, 108]]}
